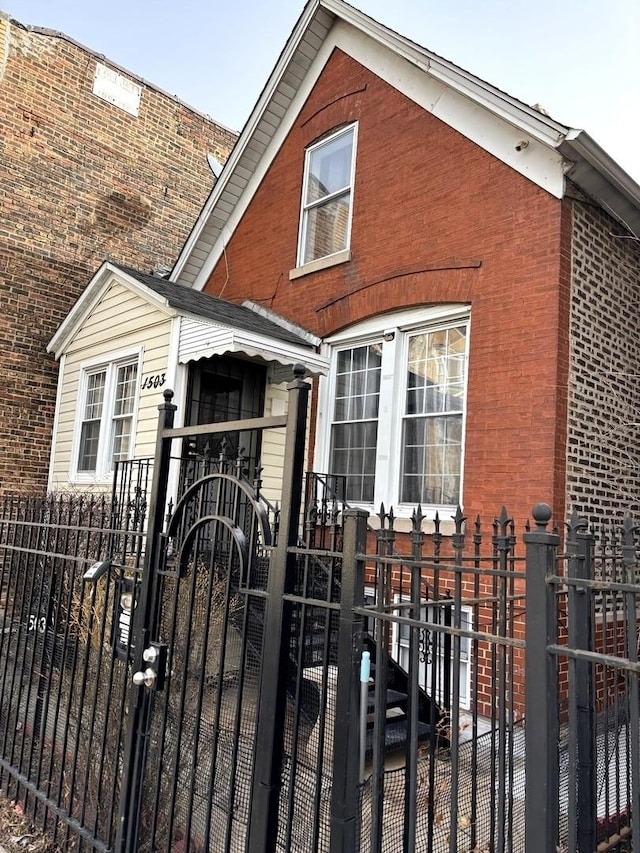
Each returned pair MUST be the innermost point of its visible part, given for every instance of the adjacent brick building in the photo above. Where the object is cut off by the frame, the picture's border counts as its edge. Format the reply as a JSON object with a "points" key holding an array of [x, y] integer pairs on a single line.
{"points": [[95, 163]]}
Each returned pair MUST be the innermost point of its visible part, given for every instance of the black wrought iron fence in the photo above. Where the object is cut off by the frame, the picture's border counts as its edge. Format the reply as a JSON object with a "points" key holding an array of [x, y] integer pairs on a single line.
{"points": [[445, 734], [68, 580], [583, 749], [473, 689]]}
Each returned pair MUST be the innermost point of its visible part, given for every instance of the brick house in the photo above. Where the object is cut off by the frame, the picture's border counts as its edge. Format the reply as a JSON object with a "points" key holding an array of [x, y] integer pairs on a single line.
{"points": [[460, 267], [96, 163]]}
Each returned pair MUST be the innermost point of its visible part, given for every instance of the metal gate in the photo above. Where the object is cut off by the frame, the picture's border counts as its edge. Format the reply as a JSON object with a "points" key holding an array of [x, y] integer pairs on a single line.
{"points": [[191, 780]]}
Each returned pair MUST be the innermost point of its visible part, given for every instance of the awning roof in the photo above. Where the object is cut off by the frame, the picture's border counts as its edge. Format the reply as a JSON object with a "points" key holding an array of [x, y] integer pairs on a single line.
{"points": [[203, 339]]}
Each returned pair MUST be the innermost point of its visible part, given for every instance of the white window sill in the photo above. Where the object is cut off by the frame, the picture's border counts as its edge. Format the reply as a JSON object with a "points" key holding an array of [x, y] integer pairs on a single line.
{"points": [[90, 480], [321, 264], [402, 522]]}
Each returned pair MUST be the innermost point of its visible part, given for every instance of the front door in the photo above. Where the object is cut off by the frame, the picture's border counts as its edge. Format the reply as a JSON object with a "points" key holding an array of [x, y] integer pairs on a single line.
{"points": [[225, 389]]}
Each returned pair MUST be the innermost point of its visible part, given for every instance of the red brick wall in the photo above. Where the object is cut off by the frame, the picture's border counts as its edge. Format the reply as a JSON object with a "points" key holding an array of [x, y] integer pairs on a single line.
{"points": [[436, 219], [82, 180]]}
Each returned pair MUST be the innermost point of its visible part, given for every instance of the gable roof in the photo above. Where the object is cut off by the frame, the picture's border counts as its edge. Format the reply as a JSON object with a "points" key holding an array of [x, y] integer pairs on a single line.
{"points": [[493, 119], [211, 326]]}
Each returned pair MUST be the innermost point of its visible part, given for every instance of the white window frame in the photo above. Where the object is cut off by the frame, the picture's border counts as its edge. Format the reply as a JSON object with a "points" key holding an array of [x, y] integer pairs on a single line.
{"points": [[394, 330], [104, 468], [305, 208], [400, 653]]}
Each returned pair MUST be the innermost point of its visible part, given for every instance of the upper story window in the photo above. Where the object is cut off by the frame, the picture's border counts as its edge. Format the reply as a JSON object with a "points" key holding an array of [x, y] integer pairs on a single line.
{"points": [[106, 412], [326, 196], [393, 408]]}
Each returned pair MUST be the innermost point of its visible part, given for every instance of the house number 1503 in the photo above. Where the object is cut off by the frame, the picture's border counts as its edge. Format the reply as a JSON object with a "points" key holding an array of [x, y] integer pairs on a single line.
{"points": [[154, 381]]}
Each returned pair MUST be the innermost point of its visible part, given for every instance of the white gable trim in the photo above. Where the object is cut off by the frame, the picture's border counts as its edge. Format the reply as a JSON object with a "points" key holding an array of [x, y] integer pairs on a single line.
{"points": [[526, 140], [471, 110], [107, 275]]}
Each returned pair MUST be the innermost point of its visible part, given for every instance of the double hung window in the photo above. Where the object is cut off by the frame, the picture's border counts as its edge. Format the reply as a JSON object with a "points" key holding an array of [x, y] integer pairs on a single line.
{"points": [[106, 417], [325, 223], [394, 409]]}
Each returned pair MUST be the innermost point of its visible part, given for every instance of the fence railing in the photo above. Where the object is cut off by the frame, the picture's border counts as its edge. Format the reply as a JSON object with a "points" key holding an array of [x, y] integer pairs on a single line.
{"points": [[520, 658], [583, 720], [68, 580]]}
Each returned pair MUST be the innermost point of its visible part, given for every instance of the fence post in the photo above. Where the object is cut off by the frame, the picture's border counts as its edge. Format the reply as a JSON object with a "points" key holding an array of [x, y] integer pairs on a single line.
{"points": [[541, 680], [143, 619], [269, 749], [580, 566], [345, 806]]}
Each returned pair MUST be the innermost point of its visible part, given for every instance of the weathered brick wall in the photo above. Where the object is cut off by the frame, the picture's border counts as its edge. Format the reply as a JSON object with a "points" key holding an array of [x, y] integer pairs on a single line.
{"points": [[436, 219], [604, 404], [82, 180]]}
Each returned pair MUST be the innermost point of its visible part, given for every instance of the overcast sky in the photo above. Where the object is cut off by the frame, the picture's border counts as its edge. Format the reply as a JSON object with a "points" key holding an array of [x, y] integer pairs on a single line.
{"points": [[579, 59]]}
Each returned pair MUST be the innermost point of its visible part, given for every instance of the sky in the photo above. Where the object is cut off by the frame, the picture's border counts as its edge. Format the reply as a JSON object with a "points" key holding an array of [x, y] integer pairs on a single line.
{"points": [[578, 59]]}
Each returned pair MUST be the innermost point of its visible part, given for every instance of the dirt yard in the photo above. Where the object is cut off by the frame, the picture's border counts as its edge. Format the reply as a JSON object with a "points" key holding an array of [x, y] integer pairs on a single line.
{"points": [[17, 835]]}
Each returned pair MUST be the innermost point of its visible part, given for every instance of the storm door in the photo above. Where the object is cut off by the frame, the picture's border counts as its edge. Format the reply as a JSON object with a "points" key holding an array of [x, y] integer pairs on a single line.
{"points": [[224, 389]]}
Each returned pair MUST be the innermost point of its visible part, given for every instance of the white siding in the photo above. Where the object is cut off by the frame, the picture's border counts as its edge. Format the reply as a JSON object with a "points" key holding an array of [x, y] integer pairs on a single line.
{"points": [[273, 442], [120, 321]]}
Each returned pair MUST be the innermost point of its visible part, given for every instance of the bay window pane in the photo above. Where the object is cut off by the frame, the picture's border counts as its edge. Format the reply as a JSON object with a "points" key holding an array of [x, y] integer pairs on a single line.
{"points": [[435, 371], [353, 455], [354, 432], [431, 460]]}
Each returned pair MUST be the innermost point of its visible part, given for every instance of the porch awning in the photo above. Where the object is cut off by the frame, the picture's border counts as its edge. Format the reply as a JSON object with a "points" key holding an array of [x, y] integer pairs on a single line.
{"points": [[202, 339]]}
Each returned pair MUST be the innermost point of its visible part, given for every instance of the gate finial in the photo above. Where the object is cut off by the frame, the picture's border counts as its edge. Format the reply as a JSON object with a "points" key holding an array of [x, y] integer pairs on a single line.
{"points": [[541, 515]]}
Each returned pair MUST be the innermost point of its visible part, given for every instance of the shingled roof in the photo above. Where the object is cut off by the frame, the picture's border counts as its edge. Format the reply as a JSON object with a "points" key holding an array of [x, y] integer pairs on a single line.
{"points": [[185, 299]]}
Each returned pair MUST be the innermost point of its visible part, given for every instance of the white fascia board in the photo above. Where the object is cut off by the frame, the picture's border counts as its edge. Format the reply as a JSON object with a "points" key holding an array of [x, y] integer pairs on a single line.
{"points": [[600, 177], [264, 163], [314, 340], [89, 298], [81, 309], [246, 136], [146, 293]]}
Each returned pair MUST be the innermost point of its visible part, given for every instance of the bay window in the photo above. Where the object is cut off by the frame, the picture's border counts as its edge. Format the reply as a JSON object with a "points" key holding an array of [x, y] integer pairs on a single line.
{"points": [[392, 409]]}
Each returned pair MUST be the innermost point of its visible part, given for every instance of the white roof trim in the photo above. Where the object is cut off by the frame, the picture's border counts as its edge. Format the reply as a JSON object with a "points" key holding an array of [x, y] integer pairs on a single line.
{"points": [[89, 298], [202, 339], [295, 72]]}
